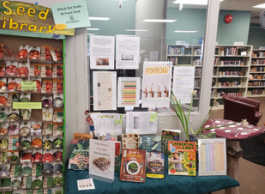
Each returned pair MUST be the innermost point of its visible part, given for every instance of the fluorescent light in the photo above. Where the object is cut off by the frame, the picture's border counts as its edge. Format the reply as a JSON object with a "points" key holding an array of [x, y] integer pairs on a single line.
{"points": [[260, 6], [181, 31], [98, 18], [136, 30], [92, 28], [159, 20], [192, 2]]}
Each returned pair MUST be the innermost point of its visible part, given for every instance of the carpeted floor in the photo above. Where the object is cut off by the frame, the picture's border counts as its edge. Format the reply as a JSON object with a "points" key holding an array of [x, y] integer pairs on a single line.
{"points": [[251, 176]]}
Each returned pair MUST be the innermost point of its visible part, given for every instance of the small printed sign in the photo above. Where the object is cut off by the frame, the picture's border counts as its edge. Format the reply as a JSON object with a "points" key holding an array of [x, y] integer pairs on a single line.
{"points": [[27, 105], [28, 85]]}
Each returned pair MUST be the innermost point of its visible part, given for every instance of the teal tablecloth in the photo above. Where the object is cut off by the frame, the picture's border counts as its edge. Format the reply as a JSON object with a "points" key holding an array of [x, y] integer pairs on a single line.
{"points": [[168, 185]]}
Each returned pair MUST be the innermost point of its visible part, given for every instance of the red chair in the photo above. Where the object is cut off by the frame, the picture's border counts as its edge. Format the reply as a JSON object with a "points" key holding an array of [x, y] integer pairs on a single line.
{"points": [[237, 108]]}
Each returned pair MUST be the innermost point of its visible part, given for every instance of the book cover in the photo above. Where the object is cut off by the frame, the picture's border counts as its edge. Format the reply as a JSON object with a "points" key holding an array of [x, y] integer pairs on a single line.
{"points": [[150, 143], [169, 135], [130, 141], [79, 155], [102, 158], [182, 160], [133, 164], [155, 165]]}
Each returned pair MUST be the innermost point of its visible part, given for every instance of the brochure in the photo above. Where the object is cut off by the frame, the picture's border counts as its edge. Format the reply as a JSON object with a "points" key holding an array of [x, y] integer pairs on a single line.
{"points": [[155, 165], [79, 158]]}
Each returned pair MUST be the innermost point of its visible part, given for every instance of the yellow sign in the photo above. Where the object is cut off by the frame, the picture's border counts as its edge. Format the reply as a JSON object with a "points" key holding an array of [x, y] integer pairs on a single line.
{"points": [[29, 17], [27, 105]]}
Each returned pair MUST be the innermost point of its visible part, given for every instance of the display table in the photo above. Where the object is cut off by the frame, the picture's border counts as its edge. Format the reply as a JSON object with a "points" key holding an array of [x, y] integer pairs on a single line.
{"points": [[171, 184]]}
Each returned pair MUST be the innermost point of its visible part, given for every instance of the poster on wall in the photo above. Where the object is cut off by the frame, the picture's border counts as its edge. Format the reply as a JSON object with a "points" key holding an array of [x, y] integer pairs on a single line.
{"points": [[102, 52], [127, 52], [156, 86], [128, 91], [183, 83], [104, 90], [102, 158]]}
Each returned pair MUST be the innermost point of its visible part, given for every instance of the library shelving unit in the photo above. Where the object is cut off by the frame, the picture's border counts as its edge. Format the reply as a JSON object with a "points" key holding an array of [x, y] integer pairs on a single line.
{"points": [[230, 73], [188, 55], [256, 84]]}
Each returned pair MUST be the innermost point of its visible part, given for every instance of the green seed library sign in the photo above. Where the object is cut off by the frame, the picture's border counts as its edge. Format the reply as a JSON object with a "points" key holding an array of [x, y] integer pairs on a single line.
{"points": [[29, 17]]}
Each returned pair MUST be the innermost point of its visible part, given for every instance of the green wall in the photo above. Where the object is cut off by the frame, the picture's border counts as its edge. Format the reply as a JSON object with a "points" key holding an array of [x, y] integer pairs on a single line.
{"points": [[195, 20], [256, 36]]}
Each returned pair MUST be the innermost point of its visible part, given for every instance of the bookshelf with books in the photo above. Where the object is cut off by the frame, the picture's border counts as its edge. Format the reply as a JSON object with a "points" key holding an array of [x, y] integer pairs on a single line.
{"points": [[230, 73]]}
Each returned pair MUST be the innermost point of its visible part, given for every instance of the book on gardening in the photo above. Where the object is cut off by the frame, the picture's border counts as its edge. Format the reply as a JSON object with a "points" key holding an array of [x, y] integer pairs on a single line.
{"points": [[169, 135], [155, 165], [150, 143], [79, 155]]}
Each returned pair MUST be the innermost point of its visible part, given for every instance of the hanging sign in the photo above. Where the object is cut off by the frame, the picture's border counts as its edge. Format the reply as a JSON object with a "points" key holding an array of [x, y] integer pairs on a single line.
{"points": [[72, 14], [29, 17]]}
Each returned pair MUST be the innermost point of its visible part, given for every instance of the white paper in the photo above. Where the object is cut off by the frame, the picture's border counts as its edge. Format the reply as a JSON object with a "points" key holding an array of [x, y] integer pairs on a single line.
{"points": [[127, 52], [153, 56], [212, 156], [183, 83], [102, 52], [128, 91], [139, 122], [156, 87], [85, 184], [105, 122], [104, 90], [102, 149]]}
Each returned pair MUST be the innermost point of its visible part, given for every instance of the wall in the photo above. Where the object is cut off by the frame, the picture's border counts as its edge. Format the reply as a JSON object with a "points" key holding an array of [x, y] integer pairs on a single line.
{"points": [[256, 36]]}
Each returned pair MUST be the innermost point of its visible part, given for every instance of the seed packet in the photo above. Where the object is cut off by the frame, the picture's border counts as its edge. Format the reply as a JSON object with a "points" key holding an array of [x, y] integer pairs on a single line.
{"points": [[3, 128], [57, 86], [49, 191], [3, 144], [13, 115], [57, 191], [57, 168], [37, 169], [37, 182], [47, 114], [24, 128], [13, 84], [26, 182], [25, 114], [58, 101], [47, 143], [48, 168], [56, 54], [2, 51], [38, 84], [57, 180], [3, 157], [45, 53], [57, 129], [36, 128], [46, 70], [11, 68], [38, 191], [13, 143], [27, 191], [5, 170], [25, 143], [3, 99], [36, 142], [47, 101], [25, 97], [57, 142], [47, 182], [3, 114], [16, 170], [26, 170], [23, 70], [5, 183], [58, 115], [15, 183], [3, 83], [13, 157], [57, 71], [2, 70], [34, 53], [47, 128], [47, 156], [12, 98], [35, 70], [26, 159], [46, 86], [36, 156], [19, 88], [13, 129], [23, 52], [58, 156]]}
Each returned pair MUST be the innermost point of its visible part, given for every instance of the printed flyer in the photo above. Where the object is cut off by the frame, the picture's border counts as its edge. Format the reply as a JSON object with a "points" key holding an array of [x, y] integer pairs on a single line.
{"points": [[102, 158], [156, 85]]}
